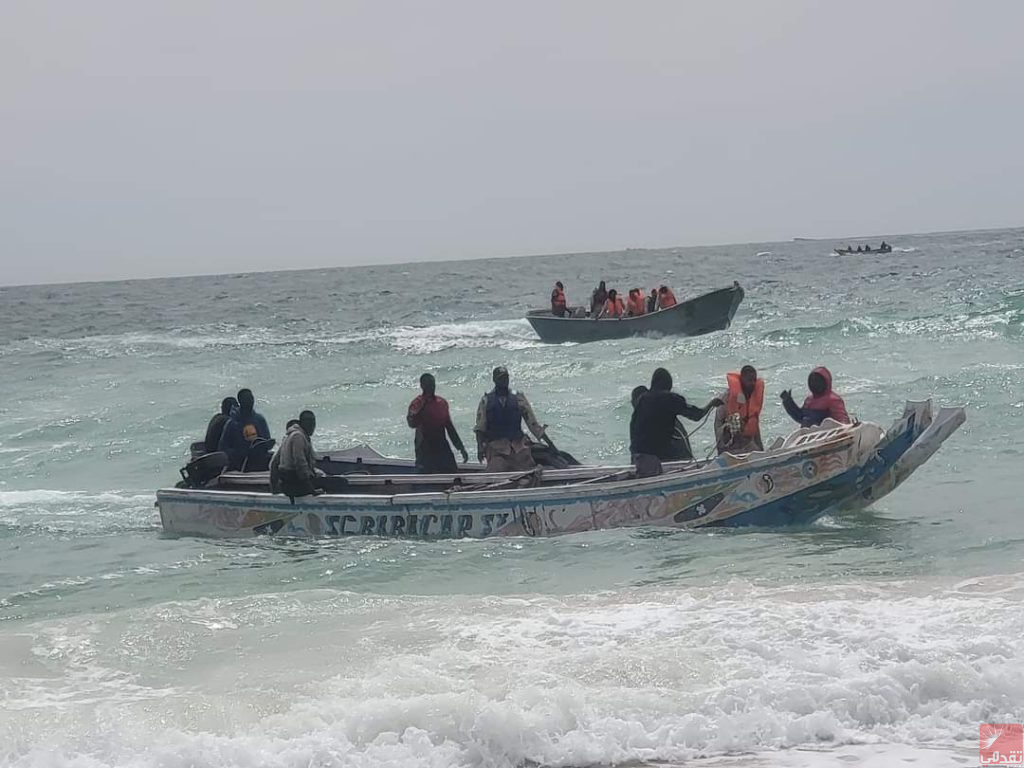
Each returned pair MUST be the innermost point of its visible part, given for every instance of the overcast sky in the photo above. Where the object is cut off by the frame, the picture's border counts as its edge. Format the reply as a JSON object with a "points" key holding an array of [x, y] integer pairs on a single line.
{"points": [[179, 137]]}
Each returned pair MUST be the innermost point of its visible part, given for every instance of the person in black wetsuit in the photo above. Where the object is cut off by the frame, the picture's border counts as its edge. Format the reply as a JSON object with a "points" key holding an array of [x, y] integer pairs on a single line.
{"points": [[653, 427], [216, 426]]}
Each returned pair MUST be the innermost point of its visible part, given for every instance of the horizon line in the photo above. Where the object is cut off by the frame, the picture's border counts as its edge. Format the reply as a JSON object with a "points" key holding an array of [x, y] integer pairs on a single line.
{"points": [[465, 259]]}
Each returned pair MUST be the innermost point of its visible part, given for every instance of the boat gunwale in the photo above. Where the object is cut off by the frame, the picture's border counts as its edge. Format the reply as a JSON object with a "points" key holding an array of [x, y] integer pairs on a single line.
{"points": [[664, 483]]}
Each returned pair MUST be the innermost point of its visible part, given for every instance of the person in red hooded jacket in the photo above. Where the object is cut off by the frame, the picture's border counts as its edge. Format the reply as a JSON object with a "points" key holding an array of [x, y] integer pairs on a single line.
{"points": [[821, 404]]}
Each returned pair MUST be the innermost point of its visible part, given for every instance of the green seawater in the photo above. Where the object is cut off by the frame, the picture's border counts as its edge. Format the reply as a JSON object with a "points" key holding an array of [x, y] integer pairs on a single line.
{"points": [[899, 625]]}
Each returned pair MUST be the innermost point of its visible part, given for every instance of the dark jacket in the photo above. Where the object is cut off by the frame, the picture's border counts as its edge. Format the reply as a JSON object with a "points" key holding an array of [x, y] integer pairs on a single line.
{"points": [[653, 428], [214, 430], [239, 433]]}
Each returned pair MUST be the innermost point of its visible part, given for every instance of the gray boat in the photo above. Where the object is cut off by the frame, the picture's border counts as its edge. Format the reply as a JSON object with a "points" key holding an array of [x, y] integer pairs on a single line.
{"points": [[710, 312]]}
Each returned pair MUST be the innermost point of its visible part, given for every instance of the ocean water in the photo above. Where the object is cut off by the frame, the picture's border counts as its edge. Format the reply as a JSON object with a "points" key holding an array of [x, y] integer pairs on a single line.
{"points": [[879, 638]]}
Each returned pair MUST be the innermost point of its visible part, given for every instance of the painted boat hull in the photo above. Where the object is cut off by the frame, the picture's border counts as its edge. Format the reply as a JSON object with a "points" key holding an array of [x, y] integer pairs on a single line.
{"points": [[704, 314], [811, 473]]}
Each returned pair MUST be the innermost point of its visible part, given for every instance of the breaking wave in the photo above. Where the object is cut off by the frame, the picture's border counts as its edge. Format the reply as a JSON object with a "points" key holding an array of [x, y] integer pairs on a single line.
{"points": [[586, 680], [496, 334]]}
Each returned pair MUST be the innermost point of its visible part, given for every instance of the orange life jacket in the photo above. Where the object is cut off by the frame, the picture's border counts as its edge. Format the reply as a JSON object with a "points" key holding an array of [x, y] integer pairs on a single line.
{"points": [[748, 409], [637, 305], [666, 300], [614, 308], [558, 299]]}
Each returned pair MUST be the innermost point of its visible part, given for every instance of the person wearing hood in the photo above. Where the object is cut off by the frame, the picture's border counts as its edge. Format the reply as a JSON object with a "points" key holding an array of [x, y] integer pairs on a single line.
{"points": [[216, 426], [499, 427], [244, 428], [428, 414], [295, 462], [821, 404], [654, 426]]}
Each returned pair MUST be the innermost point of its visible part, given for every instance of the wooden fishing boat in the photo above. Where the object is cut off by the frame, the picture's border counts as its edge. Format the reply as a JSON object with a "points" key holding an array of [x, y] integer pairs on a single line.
{"points": [[810, 473], [710, 312]]}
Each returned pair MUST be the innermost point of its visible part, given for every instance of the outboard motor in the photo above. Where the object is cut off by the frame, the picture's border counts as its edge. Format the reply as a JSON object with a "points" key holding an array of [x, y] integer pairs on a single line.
{"points": [[198, 472], [258, 457]]}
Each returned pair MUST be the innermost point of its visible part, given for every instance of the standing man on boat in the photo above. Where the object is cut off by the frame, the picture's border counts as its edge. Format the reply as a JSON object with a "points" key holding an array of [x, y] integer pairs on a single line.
{"points": [[429, 415], [294, 466], [558, 301], [821, 404], [499, 427], [653, 425], [244, 428], [738, 422], [597, 299]]}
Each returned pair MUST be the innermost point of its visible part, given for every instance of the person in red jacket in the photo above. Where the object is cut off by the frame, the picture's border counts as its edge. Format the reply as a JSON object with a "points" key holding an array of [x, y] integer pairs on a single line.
{"points": [[821, 404], [428, 415]]}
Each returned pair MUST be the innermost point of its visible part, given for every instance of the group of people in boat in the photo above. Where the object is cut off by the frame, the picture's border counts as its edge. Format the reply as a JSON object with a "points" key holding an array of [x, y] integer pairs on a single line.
{"points": [[883, 248], [656, 432], [605, 303]]}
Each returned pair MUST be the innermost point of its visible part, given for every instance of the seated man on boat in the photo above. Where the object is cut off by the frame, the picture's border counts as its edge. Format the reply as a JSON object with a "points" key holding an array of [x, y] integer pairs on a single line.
{"points": [[293, 468], [275, 462], [737, 422], [652, 301], [597, 299], [244, 428], [666, 298], [499, 431], [558, 302], [821, 404], [429, 415], [613, 307], [653, 424], [636, 306], [215, 428]]}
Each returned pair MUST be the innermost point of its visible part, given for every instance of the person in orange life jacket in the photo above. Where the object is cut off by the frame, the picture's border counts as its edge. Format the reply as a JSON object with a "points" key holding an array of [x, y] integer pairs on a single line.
{"points": [[653, 425], [499, 433], [821, 404], [558, 300], [737, 422], [244, 428], [666, 298], [613, 307], [429, 415], [216, 426], [652, 301], [636, 306]]}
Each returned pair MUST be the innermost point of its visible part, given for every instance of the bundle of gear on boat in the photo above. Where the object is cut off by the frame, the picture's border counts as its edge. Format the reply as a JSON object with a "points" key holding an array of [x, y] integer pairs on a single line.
{"points": [[239, 436], [609, 304]]}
